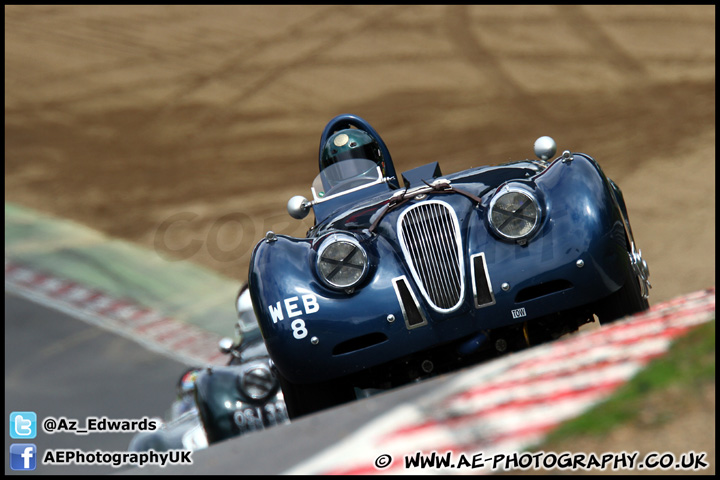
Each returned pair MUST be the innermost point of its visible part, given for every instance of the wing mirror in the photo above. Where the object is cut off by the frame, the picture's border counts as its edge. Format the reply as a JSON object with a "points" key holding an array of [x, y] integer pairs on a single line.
{"points": [[225, 345], [298, 207], [545, 148]]}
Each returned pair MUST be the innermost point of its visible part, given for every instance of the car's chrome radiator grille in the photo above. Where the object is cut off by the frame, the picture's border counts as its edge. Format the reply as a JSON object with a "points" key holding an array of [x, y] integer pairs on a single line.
{"points": [[430, 239]]}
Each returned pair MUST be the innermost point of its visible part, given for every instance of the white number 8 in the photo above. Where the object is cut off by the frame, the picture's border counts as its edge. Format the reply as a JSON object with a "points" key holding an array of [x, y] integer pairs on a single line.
{"points": [[298, 327]]}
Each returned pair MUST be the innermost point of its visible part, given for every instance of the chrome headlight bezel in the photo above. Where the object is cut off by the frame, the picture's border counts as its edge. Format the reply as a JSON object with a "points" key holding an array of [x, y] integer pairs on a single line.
{"points": [[257, 382], [341, 253], [508, 224]]}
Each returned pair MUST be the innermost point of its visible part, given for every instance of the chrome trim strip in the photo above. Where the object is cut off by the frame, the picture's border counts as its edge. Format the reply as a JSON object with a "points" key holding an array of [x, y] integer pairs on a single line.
{"points": [[636, 261], [317, 199]]}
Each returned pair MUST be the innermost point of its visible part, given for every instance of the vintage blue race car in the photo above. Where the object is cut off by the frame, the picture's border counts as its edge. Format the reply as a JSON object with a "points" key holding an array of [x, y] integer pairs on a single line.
{"points": [[394, 283]]}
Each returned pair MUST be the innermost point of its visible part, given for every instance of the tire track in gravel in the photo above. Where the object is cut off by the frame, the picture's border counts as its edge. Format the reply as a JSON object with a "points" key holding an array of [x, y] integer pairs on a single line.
{"points": [[234, 63], [468, 40], [469, 45], [602, 45], [275, 71]]}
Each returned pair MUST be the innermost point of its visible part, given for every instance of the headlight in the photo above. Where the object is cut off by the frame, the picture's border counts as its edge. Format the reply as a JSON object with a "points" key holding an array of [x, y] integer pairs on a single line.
{"points": [[341, 262], [257, 382], [514, 213]]}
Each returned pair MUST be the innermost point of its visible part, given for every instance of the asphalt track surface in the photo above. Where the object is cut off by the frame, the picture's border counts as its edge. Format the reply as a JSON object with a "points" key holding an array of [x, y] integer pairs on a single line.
{"points": [[276, 450], [51, 358]]}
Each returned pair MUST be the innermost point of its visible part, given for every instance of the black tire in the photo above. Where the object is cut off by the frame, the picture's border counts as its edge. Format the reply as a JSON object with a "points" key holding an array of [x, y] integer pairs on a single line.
{"points": [[304, 399], [626, 301]]}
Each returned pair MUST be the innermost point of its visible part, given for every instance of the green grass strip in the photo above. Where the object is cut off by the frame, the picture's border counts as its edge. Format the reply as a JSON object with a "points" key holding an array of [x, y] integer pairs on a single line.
{"points": [[180, 289], [688, 365]]}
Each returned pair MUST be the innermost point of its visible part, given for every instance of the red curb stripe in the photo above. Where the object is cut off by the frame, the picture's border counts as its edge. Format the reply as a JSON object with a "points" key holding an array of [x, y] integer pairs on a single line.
{"points": [[172, 333], [182, 343], [527, 384], [504, 408], [151, 327], [514, 402], [621, 334], [141, 321], [511, 403], [563, 366], [61, 291]]}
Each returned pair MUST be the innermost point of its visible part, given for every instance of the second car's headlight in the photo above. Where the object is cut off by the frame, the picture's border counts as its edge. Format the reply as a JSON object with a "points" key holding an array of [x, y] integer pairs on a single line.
{"points": [[257, 382], [514, 213], [341, 261]]}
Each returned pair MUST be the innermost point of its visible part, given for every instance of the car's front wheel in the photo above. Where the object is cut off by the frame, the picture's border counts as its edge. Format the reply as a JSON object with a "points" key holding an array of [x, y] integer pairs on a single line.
{"points": [[626, 301], [304, 399]]}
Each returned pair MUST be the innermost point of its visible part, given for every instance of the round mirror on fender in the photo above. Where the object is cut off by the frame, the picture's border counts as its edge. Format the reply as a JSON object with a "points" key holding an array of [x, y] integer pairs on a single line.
{"points": [[225, 345], [298, 207], [545, 148]]}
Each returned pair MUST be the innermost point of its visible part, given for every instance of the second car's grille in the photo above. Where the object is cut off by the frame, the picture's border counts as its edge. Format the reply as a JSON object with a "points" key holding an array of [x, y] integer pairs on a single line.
{"points": [[430, 239]]}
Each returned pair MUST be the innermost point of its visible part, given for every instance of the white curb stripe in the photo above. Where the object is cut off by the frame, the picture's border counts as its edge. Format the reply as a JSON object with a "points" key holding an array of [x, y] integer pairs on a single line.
{"points": [[178, 340], [510, 404]]}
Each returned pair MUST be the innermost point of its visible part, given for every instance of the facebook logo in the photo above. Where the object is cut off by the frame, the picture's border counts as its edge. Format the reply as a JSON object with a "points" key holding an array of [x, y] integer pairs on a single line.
{"points": [[23, 456], [23, 425]]}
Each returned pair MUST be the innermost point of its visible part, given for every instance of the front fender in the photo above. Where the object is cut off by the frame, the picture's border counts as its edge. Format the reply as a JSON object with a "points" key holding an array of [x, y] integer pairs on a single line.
{"points": [[313, 334], [301, 318], [578, 256]]}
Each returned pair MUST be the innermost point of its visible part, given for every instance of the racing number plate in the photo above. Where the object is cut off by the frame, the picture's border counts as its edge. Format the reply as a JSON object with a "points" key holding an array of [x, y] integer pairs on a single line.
{"points": [[251, 418]]}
